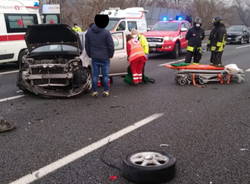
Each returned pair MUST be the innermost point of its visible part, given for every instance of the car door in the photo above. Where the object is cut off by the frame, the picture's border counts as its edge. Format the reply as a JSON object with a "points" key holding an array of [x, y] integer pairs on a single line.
{"points": [[183, 40], [119, 63]]}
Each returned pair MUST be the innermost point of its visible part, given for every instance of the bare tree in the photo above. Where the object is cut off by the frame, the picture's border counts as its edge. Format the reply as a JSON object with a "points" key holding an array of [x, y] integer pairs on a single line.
{"points": [[243, 9]]}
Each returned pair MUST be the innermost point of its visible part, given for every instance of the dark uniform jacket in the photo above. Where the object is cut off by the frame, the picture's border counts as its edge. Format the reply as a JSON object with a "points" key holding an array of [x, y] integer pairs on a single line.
{"points": [[217, 38], [195, 37]]}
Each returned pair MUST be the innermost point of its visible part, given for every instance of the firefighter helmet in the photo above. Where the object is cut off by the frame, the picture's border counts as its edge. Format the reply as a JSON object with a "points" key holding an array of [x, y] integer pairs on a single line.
{"points": [[217, 20]]}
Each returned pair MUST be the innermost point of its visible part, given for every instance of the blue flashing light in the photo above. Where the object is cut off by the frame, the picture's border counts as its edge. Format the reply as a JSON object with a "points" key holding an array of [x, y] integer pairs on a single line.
{"points": [[36, 3], [164, 18], [180, 18]]}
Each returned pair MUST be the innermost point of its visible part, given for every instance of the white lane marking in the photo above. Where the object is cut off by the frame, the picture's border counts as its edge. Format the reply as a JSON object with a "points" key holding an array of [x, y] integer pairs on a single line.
{"points": [[11, 98], [243, 46], [248, 70], [172, 62], [84, 151], [10, 72]]}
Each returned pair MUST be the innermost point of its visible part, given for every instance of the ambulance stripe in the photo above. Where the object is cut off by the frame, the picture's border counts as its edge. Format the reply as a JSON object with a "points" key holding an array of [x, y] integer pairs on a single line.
{"points": [[4, 38]]}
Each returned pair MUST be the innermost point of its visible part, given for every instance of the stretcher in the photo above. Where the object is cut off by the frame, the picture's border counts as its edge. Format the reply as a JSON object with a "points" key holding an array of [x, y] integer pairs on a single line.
{"points": [[200, 74]]}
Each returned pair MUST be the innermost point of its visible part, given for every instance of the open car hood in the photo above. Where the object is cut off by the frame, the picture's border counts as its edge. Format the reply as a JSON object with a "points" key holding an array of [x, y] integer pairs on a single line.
{"points": [[46, 34]]}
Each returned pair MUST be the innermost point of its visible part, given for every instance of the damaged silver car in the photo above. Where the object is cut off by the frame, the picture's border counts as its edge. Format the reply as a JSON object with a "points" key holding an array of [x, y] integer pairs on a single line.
{"points": [[52, 64]]}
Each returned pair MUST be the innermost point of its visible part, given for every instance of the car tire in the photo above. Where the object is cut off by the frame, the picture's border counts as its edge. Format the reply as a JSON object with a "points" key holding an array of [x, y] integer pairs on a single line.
{"points": [[20, 58], [19, 82], [176, 52], [242, 41], [136, 172], [248, 40], [88, 87]]}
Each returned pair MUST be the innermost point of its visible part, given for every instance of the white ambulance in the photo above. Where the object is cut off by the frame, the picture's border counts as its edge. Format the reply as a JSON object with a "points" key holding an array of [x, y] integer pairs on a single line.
{"points": [[15, 16], [51, 13], [126, 19]]}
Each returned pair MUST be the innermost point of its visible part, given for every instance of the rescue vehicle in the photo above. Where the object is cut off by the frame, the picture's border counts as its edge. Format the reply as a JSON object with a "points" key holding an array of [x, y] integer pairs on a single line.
{"points": [[15, 16], [126, 19], [51, 13], [168, 36]]}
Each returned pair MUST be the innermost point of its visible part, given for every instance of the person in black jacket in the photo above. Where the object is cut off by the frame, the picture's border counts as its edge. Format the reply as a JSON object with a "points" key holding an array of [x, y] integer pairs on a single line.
{"points": [[99, 46], [217, 41], [195, 35]]}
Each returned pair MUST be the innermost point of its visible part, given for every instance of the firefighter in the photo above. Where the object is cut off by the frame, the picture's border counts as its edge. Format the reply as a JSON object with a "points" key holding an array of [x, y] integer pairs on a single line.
{"points": [[136, 58], [195, 35], [217, 41], [76, 28]]}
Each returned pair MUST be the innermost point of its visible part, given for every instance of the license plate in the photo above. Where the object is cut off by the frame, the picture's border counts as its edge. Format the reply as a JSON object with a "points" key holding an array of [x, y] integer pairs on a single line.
{"points": [[152, 44]]}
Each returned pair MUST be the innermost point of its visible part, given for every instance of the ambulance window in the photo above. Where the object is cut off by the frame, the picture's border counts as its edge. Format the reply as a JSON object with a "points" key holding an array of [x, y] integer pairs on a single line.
{"points": [[16, 23], [132, 25], [122, 26], [51, 19]]}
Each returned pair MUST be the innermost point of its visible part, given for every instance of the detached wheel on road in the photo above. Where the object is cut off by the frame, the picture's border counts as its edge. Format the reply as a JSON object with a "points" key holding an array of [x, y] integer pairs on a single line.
{"points": [[149, 167]]}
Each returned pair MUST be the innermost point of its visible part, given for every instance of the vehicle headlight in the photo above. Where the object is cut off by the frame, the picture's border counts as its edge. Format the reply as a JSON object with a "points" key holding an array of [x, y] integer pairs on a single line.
{"points": [[168, 38]]}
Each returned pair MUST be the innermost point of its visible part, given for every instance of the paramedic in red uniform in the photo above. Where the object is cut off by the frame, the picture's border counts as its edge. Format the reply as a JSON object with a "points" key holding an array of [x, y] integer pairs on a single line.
{"points": [[136, 58]]}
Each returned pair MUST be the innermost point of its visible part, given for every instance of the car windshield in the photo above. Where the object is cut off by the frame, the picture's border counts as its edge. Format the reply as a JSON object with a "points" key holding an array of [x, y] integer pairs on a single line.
{"points": [[55, 48], [166, 26], [235, 28], [112, 24]]}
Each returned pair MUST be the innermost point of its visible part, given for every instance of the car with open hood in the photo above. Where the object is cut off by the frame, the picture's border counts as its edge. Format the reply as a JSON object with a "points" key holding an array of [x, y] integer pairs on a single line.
{"points": [[53, 64]]}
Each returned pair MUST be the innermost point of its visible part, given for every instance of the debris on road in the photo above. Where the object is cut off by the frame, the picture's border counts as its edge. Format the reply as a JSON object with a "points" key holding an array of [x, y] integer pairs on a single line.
{"points": [[6, 126]]}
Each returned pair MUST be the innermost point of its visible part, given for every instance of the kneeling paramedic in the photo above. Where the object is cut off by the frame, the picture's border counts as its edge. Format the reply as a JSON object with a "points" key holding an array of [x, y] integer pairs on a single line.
{"points": [[136, 58], [195, 35]]}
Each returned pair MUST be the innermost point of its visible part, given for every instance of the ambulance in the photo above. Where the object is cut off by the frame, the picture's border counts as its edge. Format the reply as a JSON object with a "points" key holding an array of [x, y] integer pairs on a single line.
{"points": [[126, 19], [15, 16], [51, 13]]}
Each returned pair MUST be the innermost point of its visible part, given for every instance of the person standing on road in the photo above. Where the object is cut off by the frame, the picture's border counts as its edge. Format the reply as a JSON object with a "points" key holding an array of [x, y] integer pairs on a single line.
{"points": [[136, 58], [99, 47], [217, 41], [195, 35], [76, 28]]}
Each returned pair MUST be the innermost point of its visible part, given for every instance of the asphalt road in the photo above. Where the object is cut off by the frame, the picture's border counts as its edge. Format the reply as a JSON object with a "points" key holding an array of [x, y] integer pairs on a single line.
{"points": [[206, 129]]}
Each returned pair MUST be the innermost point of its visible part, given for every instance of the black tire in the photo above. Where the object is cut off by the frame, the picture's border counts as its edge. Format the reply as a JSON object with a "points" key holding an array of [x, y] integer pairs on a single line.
{"points": [[20, 58], [88, 81], [242, 41], [176, 52], [19, 82], [182, 81], [248, 40], [148, 174]]}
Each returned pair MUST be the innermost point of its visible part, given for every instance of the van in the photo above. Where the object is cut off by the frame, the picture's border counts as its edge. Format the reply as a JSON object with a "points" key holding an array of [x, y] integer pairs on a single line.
{"points": [[126, 19], [15, 16]]}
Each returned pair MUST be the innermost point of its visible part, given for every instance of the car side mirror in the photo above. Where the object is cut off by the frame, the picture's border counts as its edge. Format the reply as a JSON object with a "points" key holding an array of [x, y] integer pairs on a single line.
{"points": [[183, 29]]}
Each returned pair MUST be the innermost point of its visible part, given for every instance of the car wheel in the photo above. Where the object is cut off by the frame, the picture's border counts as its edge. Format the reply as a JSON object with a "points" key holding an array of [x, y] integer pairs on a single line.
{"points": [[88, 81], [19, 82], [248, 40], [176, 52], [148, 167], [242, 41], [20, 58]]}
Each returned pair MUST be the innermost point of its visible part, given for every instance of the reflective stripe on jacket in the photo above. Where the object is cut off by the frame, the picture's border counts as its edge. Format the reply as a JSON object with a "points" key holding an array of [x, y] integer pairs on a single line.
{"points": [[134, 50]]}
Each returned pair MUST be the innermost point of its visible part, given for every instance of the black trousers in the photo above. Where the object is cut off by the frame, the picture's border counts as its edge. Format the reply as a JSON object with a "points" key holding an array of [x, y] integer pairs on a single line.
{"points": [[216, 58], [196, 55]]}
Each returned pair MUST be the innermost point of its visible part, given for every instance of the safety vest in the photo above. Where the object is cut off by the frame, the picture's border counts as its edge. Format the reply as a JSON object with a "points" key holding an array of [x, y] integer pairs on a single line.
{"points": [[144, 43], [136, 50], [77, 29]]}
